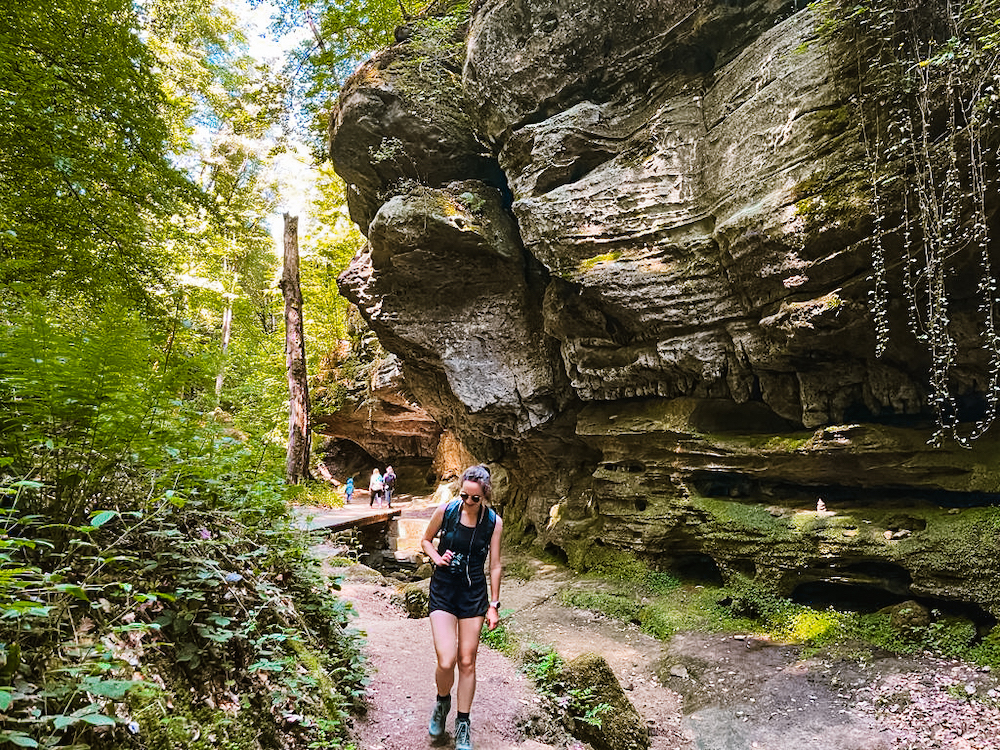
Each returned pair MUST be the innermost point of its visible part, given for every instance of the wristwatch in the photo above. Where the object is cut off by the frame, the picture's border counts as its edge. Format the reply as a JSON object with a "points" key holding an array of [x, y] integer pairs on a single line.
{"points": [[496, 605]]}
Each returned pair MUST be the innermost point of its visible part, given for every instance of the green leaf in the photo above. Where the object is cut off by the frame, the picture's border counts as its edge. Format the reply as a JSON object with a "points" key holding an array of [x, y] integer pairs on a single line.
{"points": [[186, 652], [62, 721], [114, 689], [102, 518], [18, 738], [99, 720], [6, 698], [73, 590]]}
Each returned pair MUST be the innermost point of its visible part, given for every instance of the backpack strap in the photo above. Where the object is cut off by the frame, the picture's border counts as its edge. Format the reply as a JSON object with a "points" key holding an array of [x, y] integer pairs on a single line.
{"points": [[451, 513], [489, 523], [484, 531]]}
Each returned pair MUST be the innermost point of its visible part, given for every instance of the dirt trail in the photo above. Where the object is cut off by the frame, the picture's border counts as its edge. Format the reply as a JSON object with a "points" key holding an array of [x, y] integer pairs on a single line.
{"points": [[697, 692], [401, 694]]}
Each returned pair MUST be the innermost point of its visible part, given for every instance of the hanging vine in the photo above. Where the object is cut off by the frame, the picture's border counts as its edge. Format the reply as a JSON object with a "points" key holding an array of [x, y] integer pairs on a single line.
{"points": [[929, 100]]}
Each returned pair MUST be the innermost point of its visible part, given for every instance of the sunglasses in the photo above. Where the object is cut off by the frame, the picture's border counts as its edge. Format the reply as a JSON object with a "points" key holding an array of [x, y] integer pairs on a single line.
{"points": [[466, 496]]}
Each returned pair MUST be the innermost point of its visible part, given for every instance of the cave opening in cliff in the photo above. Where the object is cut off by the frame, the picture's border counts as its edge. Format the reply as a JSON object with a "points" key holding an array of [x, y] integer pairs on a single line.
{"points": [[344, 458], [557, 553], [869, 598], [696, 568], [736, 486], [846, 597]]}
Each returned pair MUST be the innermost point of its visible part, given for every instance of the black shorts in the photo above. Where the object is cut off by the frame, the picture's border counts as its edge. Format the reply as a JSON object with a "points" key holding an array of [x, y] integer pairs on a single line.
{"points": [[452, 593]]}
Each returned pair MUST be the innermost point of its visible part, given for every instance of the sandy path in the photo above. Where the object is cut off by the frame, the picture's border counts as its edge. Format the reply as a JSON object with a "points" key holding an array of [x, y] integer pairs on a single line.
{"points": [[401, 694]]}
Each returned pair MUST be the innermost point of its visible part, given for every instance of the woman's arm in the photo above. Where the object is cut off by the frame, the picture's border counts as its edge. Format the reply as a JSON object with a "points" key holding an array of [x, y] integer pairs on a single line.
{"points": [[427, 543], [496, 571]]}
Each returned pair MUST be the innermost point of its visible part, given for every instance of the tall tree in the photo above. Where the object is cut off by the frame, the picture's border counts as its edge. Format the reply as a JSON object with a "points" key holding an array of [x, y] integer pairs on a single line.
{"points": [[226, 109], [297, 463], [86, 186]]}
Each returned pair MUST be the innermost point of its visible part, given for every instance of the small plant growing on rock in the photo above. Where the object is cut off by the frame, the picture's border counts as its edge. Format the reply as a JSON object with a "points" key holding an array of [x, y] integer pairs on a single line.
{"points": [[547, 670]]}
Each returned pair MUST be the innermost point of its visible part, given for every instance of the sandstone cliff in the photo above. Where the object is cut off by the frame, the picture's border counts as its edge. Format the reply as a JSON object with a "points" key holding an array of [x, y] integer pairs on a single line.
{"points": [[623, 251]]}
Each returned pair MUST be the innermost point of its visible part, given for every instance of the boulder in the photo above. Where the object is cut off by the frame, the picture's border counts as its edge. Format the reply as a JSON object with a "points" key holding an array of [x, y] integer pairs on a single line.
{"points": [[414, 599], [908, 616], [599, 711]]}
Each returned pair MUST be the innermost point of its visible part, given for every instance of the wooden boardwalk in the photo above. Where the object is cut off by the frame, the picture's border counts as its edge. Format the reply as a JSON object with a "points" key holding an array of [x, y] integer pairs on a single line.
{"points": [[398, 530], [353, 516]]}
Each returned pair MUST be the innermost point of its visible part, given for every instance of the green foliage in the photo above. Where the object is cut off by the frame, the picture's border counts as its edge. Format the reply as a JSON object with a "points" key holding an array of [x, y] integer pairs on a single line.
{"points": [[341, 36], [85, 182], [623, 566], [542, 665], [501, 638], [749, 600], [987, 651], [663, 612], [326, 249], [744, 606], [141, 546], [319, 494], [619, 607]]}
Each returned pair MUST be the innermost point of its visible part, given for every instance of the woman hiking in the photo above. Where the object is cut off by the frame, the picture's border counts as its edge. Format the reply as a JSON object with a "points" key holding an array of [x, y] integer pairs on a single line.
{"points": [[459, 604]]}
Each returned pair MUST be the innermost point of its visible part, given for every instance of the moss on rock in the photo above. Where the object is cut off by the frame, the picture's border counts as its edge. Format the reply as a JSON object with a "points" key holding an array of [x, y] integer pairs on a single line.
{"points": [[601, 712]]}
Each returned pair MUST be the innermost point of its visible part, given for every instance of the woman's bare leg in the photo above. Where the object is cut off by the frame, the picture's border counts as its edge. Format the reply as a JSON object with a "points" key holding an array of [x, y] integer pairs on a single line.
{"points": [[444, 627], [468, 646]]}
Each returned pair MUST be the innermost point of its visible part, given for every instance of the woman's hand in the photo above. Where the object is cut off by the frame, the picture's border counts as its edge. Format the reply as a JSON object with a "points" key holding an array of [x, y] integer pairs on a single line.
{"points": [[492, 618], [445, 560]]}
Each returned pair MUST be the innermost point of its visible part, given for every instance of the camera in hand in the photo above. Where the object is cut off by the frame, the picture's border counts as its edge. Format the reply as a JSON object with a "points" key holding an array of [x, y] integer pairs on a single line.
{"points": [[457, 562]]}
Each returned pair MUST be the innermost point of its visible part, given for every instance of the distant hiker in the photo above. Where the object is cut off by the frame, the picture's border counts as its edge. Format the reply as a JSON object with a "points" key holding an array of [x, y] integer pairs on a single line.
{"points": [[470, 531], [349, 489], [389, 480], [375, 487]]}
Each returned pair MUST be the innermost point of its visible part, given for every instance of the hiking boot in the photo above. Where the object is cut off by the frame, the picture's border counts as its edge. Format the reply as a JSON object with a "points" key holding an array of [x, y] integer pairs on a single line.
{"points": [[441, 709], [463, 735]]}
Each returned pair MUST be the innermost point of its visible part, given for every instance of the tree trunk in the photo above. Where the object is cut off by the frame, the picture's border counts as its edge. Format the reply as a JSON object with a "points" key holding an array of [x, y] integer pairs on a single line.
{"points": [[297, 463], [227, 327]]}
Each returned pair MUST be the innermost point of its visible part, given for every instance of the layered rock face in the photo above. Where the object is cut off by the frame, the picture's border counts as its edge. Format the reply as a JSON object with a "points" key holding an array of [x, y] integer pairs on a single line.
{"points": [[386, 423], [621, 251]]}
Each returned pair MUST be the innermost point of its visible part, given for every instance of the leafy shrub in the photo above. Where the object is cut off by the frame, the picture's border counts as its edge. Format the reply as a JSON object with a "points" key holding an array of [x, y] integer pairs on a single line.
{"points": [[145, 560], [613, 605], [753, 602], [987, 651]]}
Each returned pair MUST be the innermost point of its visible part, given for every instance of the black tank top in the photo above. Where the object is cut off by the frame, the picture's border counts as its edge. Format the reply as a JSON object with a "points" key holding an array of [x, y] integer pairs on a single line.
{"points": [[471, 565]]}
